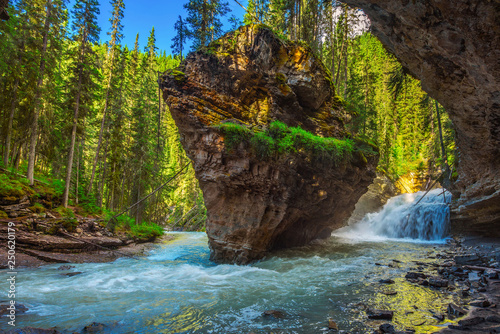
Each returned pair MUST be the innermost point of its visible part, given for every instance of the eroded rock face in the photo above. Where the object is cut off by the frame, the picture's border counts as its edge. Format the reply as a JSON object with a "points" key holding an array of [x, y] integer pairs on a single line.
{"points": [[453, 47], [255, 205], [379, 192]]}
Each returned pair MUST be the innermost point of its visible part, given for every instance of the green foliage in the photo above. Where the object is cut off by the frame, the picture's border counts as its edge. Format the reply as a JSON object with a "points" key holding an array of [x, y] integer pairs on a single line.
{"points": [[65, 212], [140, 145], [279, 140], [145, 232], [11, 187], [3, 215], [69, 223], [37, 208]]}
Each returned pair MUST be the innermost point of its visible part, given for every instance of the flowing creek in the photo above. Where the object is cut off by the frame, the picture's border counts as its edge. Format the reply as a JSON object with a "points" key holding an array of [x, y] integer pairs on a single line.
{"points": [[176, 289]]}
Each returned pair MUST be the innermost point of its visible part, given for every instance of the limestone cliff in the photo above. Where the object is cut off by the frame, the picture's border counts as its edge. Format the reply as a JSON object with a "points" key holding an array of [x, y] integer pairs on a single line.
{"points": [[453, 47], [266, 184]]}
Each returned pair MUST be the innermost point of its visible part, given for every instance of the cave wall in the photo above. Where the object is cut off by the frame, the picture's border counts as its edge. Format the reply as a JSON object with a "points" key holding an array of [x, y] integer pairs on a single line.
{"points": [[453, 47]]}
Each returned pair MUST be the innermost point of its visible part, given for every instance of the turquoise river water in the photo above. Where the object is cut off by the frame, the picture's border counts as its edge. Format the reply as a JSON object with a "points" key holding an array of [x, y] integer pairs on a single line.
{"points": [[176, 289]]}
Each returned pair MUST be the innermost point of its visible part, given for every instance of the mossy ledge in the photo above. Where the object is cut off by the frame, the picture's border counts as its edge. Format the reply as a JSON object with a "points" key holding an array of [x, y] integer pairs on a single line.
{"points": [[259, 118], [279, 141]]}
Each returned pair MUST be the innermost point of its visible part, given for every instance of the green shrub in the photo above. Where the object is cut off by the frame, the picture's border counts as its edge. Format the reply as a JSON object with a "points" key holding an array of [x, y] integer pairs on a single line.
{"points": [[3, 215], [65, 212], [58, 187], [10, 187], [234, 134], [262, 144], [37, 208], [145, 232], [70, 224]]}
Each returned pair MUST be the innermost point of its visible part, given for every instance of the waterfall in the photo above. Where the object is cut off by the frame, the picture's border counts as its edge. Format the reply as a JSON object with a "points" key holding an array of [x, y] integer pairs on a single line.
{"points": [[402, 218]]}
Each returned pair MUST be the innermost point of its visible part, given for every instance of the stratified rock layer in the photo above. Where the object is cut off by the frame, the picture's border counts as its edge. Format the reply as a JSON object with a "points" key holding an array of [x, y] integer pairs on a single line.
{"points": [[256, 205], [453, 47]]}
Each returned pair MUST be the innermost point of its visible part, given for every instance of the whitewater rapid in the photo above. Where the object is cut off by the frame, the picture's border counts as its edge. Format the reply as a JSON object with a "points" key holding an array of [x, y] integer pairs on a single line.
{"points": [[417, 217]]}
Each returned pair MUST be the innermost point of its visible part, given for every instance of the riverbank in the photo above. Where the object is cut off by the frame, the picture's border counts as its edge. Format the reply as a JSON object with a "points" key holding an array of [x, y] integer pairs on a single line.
{"points": [[43, 241]]}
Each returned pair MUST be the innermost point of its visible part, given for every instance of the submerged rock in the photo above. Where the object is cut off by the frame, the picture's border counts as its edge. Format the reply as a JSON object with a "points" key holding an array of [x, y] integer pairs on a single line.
{"points": [[266, 185], [274, 313], [332, 325], [380, 314], [94, 327], [387, 328], [455, 310]]}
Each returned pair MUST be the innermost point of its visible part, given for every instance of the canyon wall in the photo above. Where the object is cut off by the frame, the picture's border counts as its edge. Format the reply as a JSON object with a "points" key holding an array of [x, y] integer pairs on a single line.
{"points": [[453, 47]]}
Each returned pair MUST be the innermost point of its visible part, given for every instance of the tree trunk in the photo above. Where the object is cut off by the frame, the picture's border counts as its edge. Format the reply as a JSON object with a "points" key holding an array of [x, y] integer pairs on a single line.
{"points": [[8, 137], [75, 123], [38, 92], [103, 122]]}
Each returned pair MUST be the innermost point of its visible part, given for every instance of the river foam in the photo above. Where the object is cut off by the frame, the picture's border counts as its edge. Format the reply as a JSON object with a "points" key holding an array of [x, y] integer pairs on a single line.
{"points": [[409, 217]]}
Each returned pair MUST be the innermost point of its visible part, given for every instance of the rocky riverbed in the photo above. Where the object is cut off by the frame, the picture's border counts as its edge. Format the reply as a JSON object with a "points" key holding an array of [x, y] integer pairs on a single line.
{"points": [[462, 275]]}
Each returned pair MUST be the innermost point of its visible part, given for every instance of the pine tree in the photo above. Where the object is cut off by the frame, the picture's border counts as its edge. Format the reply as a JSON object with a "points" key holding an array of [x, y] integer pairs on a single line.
{"points": [[204, 20], [179, 41], [116, 36], [85, 34]]}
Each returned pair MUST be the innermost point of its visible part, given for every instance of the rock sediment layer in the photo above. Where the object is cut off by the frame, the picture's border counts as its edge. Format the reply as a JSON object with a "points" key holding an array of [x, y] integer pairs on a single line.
{"points": [[257, 204], [453, 47]]}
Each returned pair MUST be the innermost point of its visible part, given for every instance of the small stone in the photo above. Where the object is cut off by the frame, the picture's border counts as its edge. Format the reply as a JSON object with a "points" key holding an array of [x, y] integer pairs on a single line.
{"points": [[380, 314], [19, 309], [332, 324], [468, 260], [387, 328], [72, 274], [99, 234], [274, 313], [473, 277], [386, 281], [455, 310], [439, 316], [471, 322], [491, 274], [94, 327], [65, 267], [460, 328], [389, 293], [438, 282], [423, 282], [78, 230], [493, 318], [480, 303], [414, 275]]}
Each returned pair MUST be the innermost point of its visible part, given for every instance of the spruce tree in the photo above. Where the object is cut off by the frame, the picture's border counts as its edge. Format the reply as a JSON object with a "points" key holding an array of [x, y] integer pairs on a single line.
{"points": [[116, 36], [179, 41], [204, 20], [85, 34]]}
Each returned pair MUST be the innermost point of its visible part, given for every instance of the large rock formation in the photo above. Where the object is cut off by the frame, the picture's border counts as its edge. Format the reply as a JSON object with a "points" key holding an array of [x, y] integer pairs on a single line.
{"points": [[260, 197], [379, 192], [453, 47]]}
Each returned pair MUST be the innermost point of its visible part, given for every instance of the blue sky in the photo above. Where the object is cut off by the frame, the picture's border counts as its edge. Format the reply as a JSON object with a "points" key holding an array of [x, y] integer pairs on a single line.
{"points": [[141, 15]]}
